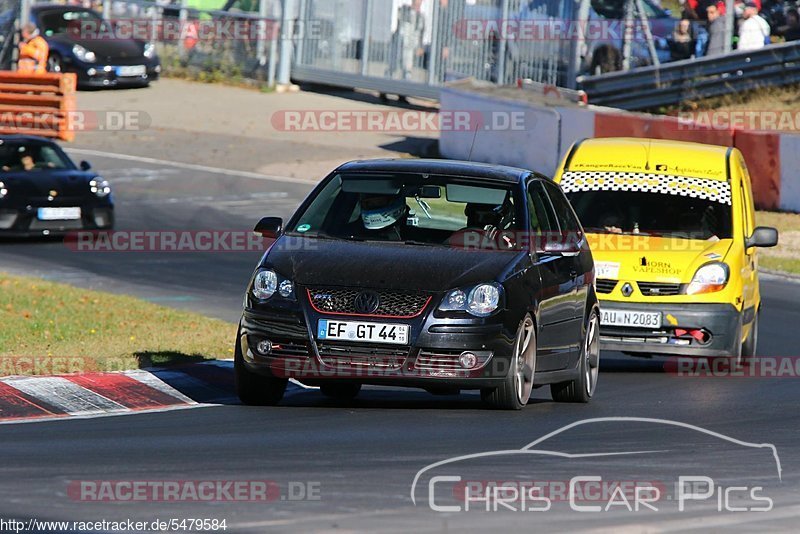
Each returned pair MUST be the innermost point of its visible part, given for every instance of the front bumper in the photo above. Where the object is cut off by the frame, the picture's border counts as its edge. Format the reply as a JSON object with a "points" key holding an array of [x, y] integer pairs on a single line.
{"points": [[430, 361], [23, 222], [720, 322], [99, 76]]}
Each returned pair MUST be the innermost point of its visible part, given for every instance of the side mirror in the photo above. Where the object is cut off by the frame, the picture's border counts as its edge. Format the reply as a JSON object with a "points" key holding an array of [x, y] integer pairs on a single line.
{"points": [[763, 236], [269, 227], [561, 248], [85, 165]]}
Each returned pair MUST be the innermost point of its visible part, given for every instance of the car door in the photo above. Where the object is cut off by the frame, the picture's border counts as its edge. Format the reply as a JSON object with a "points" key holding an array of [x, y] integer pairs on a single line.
{"points": [[556, 291], [576, 264], [749, 265]]}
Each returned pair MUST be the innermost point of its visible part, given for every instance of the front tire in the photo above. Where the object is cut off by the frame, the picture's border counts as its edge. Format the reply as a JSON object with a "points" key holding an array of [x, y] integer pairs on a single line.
{"points": [[515, 392], [254, 389], [583, 387], [750, 344]]}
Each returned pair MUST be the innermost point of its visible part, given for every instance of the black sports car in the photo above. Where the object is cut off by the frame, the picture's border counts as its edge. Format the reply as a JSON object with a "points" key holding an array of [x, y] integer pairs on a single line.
{"points": [[42, 192], [436, 274], [82, 42]]}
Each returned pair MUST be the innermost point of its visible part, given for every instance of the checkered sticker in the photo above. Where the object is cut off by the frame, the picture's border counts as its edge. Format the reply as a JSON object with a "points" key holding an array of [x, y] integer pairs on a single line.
{"points": [[666, 184]]}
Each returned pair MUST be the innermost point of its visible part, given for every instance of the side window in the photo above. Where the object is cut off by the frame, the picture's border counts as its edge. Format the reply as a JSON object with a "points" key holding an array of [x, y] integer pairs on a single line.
{"points": [[567, 219], [541, 214]]}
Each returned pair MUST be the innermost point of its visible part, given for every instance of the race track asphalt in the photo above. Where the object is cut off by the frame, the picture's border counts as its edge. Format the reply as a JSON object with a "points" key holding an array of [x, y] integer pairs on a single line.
{"points": [[362, 457]]}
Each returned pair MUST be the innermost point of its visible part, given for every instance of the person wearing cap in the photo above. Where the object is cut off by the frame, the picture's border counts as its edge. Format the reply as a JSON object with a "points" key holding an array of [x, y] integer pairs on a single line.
{"points": [[33, 51], [753, 30]]}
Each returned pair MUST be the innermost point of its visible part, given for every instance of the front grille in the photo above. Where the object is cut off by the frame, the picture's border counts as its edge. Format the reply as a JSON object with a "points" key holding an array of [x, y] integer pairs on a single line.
{"points": [[356, 356], [398, 304], [658, 289], [428, 361], [606, 286], [289, 349]]}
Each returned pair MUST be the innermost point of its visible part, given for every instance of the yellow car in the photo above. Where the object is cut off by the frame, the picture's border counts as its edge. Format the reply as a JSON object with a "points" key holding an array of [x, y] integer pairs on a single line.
{"points": [[672, 231]]}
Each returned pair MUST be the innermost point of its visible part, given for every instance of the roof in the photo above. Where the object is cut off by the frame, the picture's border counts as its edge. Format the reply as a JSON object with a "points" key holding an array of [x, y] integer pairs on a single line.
{"points": [[467, 169], [26, 138], [650, 156]]}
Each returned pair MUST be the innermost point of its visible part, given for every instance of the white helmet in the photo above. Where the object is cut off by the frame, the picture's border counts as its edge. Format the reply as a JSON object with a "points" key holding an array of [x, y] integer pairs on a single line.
{"points": [[383, 216]]}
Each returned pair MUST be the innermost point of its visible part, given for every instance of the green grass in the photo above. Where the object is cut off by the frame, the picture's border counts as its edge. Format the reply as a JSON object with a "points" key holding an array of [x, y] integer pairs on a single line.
{"points": [[83, 330], [786, 256]]}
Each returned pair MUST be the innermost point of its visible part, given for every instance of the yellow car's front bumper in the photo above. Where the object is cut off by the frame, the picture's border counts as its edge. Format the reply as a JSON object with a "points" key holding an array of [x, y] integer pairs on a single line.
{"points": [[702, 330]]}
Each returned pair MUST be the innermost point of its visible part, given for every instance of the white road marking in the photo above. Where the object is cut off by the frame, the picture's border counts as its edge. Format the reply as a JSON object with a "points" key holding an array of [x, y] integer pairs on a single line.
{"points": [[64, 394], [152, 381], [189, 166]]}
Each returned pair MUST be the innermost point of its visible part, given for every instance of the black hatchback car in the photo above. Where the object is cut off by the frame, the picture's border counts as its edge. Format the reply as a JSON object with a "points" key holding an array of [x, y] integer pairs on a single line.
{"points": [[82, 42], [435, 274], [42, 192]]}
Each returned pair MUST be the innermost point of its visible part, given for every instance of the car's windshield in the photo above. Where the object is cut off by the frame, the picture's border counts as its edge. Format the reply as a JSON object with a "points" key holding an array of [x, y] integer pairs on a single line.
{"points": [[648, 213], [16, 157], [56, 22], [414, 209]]}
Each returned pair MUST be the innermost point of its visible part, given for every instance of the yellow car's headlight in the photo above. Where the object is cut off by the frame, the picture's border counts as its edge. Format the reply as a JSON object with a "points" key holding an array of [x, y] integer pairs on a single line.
{"points": [[709, 278]]}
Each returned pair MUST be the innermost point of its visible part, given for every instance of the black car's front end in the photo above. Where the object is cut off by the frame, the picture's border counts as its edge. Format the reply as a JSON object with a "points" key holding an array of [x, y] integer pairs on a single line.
{"points": [[43, 193], [316, 332], [54, 206]]}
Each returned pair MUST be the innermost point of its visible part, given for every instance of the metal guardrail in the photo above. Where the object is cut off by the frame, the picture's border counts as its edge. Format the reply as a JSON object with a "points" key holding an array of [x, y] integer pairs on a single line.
{"points": [[672, 83]]}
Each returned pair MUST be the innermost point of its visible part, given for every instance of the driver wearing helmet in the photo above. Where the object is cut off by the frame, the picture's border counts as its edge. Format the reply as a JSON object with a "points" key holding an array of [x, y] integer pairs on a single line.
{"points": [[384, 215]]}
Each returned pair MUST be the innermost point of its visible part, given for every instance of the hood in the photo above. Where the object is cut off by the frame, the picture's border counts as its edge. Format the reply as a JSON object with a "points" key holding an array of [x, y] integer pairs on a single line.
{"points": [[309, 261], [106, 49], [67, 183], [653, 259]]}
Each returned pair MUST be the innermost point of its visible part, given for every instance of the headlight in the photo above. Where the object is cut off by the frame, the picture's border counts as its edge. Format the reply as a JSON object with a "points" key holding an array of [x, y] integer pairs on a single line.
{"points": [[481, 301], [264, 284], [149, 50], [84, 55], [708, 279], [3, 190], [100, 187]]}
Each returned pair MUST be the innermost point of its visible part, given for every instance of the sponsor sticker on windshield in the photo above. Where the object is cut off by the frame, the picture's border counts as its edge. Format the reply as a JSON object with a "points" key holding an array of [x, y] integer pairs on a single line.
{"points": [[666, 184]]}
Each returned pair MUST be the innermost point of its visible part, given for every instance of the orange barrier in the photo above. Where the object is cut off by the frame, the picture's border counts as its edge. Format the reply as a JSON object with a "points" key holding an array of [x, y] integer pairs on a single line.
{"points": [[37, 104], [657, 127], [761, 151]]}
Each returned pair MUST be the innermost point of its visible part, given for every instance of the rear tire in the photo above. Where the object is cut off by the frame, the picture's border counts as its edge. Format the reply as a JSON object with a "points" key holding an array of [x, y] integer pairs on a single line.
{"points": [[340, 390], [516, 390], [583, 387], [254, 389]]}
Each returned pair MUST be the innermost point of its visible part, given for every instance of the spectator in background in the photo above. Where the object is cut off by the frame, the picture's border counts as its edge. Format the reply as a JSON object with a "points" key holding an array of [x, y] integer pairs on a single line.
{"points": [[753, 30], [792, 31], [682, 43], [33, 51], [698, 9], [407, 39], [717, 35]]}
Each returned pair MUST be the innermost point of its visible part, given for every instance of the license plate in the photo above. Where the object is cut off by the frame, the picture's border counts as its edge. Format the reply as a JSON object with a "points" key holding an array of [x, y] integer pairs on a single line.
{"points": [[131, 70], [631, 318], [58, 214], [363, 332]]}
